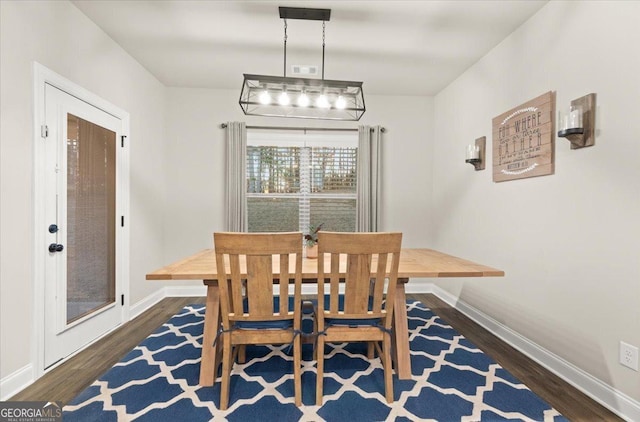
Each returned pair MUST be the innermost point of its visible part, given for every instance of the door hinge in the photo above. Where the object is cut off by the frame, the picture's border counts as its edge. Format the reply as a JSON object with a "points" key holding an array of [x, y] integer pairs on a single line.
{"points": [[122, 141], [122, 221], [122, 300], [44, 131]]}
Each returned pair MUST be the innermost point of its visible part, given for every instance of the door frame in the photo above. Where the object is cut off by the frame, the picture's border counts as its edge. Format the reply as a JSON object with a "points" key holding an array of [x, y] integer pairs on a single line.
{"points": [[41, 77]]}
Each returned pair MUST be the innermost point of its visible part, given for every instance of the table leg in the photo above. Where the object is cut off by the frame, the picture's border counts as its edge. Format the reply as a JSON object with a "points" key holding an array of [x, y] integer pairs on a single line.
{"points": [[401, 356], [210, 357]]}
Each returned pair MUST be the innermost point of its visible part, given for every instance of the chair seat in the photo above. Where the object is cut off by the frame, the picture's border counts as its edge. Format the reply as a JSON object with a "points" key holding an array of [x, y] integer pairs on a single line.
{"points": [[360, 322], [369, 322], [265, 325], [272, 325]]}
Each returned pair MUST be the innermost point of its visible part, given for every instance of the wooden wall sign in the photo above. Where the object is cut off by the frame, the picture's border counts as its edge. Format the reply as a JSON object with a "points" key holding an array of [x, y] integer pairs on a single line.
{"points": [[524, 140]]}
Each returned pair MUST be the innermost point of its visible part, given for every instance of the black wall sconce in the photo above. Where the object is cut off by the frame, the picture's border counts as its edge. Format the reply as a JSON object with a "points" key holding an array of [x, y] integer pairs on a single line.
{"points": [[578, 124], [476, 153]]}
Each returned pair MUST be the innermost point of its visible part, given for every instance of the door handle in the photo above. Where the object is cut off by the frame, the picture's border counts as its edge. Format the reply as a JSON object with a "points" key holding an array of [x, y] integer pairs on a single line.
{"points": [[53, 228], [55, 247]]}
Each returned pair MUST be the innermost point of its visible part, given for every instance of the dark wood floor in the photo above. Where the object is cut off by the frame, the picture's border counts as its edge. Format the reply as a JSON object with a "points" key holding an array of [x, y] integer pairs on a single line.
{"points": [[67, 380]]}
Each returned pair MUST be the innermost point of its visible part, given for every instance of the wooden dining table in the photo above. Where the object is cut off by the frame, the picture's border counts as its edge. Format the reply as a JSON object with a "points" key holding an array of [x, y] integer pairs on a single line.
{"points": [[414, 263]]}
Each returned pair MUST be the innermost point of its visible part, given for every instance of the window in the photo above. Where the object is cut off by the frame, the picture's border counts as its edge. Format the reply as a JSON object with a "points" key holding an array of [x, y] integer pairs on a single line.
{"points": [[294, 180]]}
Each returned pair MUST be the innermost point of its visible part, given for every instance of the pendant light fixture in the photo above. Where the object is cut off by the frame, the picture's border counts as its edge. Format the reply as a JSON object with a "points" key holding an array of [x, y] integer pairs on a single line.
{"points": [[304, 98]]}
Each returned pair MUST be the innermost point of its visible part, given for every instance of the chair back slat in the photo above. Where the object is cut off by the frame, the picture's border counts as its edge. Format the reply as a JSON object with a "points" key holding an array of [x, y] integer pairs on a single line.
{"points": [[377, 282], [259, 285], [334, 282], [235, 280], [356, 295], [284, 278]]}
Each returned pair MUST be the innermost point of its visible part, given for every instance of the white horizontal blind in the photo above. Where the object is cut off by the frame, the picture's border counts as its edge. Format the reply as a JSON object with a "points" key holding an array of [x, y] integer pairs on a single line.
{"points": [[272, 169], [333, 170], [294, 180]]}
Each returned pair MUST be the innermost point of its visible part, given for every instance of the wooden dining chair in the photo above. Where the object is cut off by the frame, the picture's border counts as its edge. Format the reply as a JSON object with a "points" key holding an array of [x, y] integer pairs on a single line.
{"points": [[252, 264], [365, 265]]}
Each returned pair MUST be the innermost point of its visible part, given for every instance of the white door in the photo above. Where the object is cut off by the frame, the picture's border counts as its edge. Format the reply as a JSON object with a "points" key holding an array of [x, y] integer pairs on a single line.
{"points": [[81, 178]]}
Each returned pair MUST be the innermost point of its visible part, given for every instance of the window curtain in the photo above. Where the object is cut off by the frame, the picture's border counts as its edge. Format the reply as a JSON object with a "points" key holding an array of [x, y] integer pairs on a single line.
{"points": [[369, 181], [236, 192]]}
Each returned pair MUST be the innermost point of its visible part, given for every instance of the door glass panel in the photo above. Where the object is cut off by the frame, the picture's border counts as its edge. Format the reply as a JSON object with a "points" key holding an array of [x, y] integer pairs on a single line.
{"points": [[91, 200]]}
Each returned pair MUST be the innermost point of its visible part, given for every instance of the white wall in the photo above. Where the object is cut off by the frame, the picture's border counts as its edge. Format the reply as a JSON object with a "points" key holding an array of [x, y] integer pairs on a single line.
{"points": [[196, 163], [57, 35], [569, 242]]}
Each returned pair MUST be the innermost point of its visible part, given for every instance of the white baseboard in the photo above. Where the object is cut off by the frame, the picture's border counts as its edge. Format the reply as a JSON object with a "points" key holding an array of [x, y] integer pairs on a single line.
{"points": [[139, 307], [185, 291], [419, 286], [616, 401], [16, 382], [168, 291]]}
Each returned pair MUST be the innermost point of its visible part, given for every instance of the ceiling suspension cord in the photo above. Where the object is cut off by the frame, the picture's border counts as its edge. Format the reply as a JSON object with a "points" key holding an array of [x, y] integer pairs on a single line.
{"points": [[285, 48], [323, 22]]}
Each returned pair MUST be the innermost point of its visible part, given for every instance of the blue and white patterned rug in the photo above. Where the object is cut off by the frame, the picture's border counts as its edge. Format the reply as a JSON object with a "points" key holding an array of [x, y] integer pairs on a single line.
{"points": [[452, 381]]}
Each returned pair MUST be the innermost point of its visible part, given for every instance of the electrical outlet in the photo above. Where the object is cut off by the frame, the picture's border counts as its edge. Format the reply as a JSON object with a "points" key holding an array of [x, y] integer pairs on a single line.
{"points": [[629, 355]]}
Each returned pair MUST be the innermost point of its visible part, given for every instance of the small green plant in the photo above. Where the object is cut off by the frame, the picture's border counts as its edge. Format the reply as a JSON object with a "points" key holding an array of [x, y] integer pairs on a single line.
{"points": [[312, 238]]}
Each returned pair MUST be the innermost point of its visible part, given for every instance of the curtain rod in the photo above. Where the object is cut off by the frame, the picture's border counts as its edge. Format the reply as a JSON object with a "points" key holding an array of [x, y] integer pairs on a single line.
{"points": [[224, 125]]}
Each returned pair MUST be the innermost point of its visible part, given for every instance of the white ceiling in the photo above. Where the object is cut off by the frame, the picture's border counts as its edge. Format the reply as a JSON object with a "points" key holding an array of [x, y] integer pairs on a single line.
{"points": [[394, 47]]}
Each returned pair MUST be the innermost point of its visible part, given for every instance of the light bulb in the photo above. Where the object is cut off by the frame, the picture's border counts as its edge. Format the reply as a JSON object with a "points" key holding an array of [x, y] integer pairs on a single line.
{"points": [[303, 100], [265, 97], [283, 99], [341, 103], [322, 101]]}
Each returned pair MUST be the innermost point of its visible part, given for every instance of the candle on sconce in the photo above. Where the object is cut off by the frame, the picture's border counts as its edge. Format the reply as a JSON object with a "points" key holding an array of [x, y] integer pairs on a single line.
{"points": [[575, 117], [473, 152], [571, 119]]}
